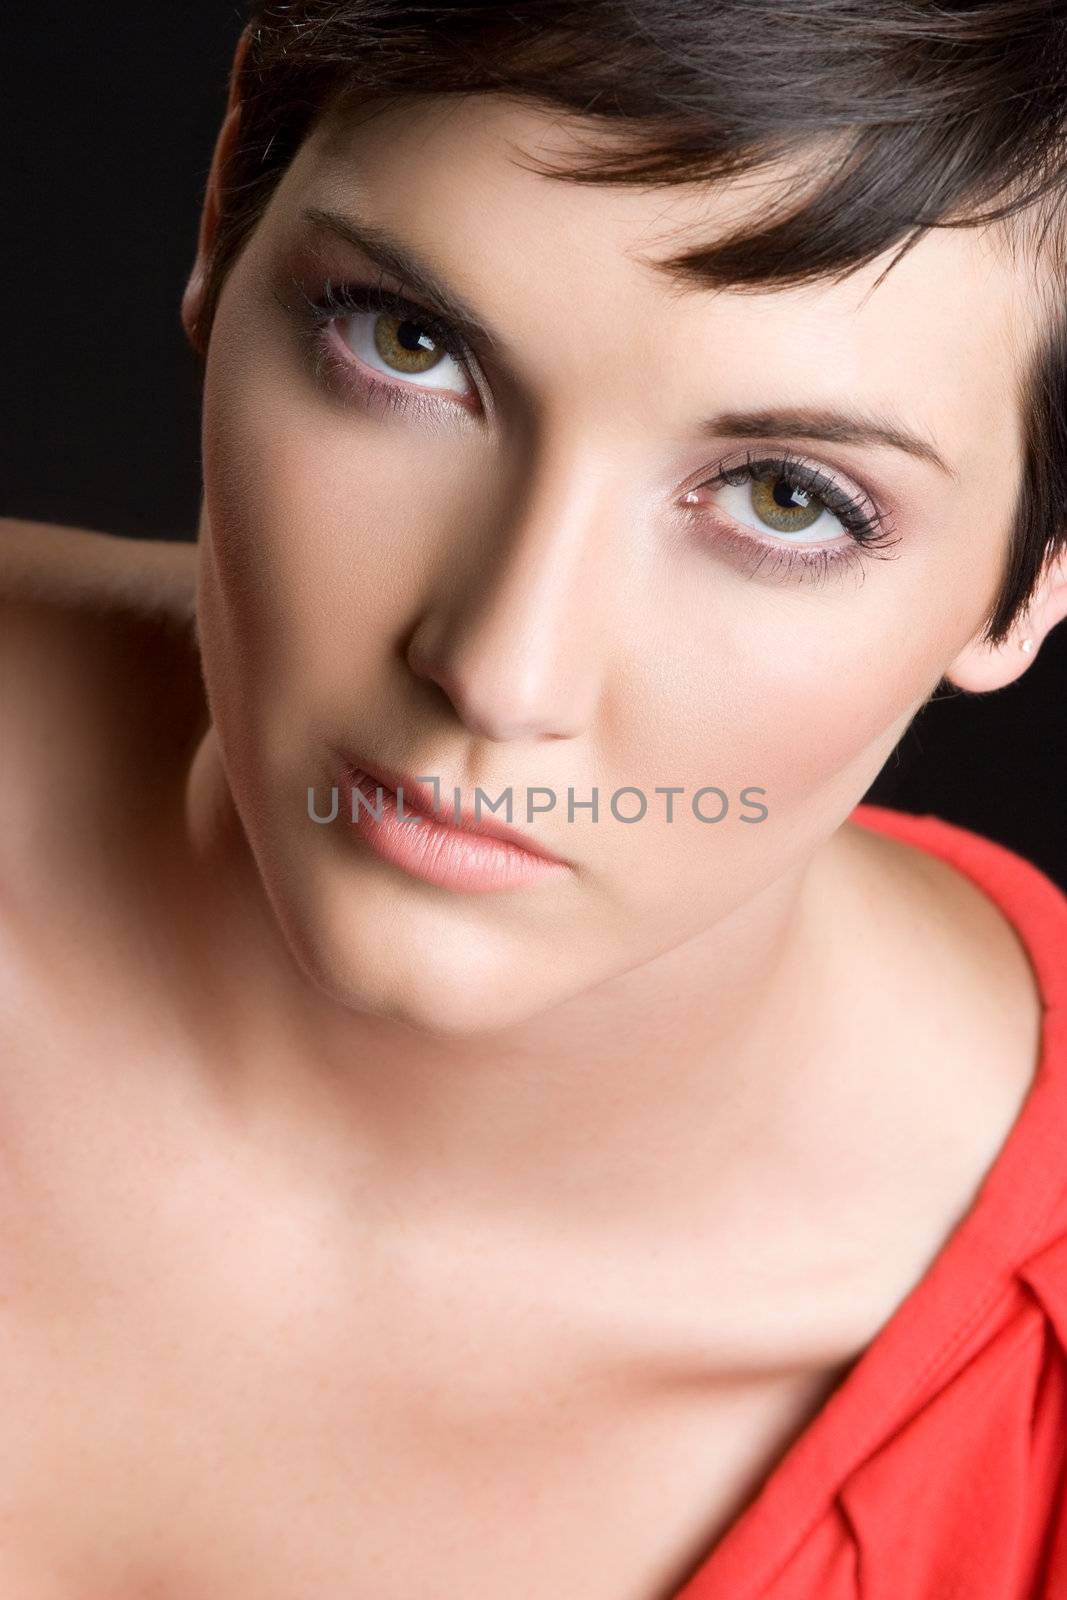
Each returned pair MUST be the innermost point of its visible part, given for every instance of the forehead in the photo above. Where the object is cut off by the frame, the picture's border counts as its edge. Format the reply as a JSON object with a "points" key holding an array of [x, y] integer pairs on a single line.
{"points": [[946, 335]]}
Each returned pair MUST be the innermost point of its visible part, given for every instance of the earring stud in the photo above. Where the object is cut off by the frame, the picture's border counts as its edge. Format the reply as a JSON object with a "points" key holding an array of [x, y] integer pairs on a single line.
{"points": [[1026, 646]]}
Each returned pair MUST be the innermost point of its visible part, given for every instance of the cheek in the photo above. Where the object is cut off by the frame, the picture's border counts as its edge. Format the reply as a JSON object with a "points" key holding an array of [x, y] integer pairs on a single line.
{"points": [[320, 534], [790, 694], [810, 709], [785, 723]]}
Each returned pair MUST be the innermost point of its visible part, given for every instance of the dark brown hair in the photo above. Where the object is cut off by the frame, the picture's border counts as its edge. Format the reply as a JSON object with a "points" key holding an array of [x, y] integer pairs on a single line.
{"points": [[908, 114]]}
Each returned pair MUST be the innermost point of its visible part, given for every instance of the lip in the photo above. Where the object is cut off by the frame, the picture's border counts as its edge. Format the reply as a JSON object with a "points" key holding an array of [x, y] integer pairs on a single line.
{"points": [[419, 797], [475, 854]]}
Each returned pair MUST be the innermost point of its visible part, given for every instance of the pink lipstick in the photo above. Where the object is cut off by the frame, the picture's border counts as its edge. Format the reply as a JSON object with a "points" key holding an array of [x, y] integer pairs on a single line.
{"points": [[477, 855]]}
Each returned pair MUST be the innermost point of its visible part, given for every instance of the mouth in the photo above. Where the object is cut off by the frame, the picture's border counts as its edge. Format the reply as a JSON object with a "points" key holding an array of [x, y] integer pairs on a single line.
{"points": [[454, 847]]}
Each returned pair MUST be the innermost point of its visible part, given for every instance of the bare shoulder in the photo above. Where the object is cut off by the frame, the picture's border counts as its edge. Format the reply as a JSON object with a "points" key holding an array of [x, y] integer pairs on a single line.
{"points": [[942, 907], [76, 572], [99, 677], [963, 964], [942, 1035]]}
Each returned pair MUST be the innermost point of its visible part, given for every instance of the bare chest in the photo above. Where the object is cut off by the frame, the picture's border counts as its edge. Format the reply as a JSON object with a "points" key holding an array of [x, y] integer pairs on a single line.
{"points": [[212, 1387], [286, 1499], [189, 1416]]}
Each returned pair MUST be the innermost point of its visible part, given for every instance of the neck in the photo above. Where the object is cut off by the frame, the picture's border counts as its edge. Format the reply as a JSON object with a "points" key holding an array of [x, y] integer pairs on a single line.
{"points": [[690, 1064]]}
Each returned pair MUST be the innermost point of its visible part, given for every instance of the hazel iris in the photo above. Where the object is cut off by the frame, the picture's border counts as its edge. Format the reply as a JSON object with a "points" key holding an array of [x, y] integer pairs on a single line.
{"points": [[405, 345], [783, 506]]}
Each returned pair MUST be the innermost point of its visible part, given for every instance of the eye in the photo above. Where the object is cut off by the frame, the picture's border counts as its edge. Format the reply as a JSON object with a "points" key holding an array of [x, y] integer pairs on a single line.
{"points": [[793, 515], [773, 502], [789, 499], [402, 347], [377, 342]]}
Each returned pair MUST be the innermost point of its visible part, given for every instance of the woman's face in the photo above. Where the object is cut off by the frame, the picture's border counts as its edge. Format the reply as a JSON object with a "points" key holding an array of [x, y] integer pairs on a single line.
{"points": [[520, 569]]}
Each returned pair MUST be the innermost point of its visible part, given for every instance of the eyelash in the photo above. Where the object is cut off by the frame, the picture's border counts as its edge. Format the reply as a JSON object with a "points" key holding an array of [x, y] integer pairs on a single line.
{"points": [[871, 532], [345, 299], [870, 529]]}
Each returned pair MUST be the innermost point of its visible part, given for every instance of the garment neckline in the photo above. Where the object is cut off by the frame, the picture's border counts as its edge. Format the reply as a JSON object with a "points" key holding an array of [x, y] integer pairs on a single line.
{"points": [[1021, 1199]]}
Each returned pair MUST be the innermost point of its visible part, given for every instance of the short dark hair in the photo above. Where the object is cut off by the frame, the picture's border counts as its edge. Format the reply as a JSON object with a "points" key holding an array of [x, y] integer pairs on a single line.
{"points": [[910, 114]]}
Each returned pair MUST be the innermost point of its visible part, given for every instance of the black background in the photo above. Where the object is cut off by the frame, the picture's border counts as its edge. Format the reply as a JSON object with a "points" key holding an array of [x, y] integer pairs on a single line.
{"points": [[110, 118]]}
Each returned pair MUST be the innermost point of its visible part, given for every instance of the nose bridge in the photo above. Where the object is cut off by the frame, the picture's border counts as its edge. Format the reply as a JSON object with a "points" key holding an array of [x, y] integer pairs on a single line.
{"points": [[516, 649]]}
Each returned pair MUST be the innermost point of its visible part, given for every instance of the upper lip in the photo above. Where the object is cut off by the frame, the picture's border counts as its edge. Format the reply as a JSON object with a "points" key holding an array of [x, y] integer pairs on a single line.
{"points": [[420, 797]]}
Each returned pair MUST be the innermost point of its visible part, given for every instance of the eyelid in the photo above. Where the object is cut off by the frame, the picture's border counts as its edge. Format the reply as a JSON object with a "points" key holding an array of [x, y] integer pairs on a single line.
{"points": [[339, 297], [397, 303], [868, 530], [349, 296], [842, 495], [771, 452]]}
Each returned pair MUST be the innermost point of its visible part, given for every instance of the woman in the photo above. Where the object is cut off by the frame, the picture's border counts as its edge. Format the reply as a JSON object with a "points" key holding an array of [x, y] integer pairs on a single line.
{"points": [[630, 415]]}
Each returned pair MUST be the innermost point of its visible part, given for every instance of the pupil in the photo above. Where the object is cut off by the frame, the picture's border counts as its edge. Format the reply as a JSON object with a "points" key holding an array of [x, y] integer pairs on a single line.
{"points": [[786, 496], [411, 336]]}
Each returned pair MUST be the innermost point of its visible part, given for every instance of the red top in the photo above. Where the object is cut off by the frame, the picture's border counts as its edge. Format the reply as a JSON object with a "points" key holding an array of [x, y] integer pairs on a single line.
{"points": [[937, 1469]]}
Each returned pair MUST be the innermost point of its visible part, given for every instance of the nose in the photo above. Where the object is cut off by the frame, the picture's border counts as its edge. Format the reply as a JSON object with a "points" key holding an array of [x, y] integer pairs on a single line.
{"points": [[517, 645]]}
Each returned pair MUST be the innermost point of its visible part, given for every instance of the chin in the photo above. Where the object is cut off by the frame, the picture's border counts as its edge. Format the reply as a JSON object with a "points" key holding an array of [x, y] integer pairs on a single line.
{"points": [[379, 949]]}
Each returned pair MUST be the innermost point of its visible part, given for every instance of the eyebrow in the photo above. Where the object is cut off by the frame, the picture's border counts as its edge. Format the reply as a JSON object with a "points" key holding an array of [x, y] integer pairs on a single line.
{"points": [[395, 256], [830, 426]]}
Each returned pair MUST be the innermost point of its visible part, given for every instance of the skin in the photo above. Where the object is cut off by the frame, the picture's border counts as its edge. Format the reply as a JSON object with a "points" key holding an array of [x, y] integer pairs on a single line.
{"points": [[623, 1149], [554, 618]]}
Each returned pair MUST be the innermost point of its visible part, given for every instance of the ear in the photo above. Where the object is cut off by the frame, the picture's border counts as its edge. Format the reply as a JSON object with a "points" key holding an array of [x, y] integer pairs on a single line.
{"points": [[193, 298], [981, 667]]}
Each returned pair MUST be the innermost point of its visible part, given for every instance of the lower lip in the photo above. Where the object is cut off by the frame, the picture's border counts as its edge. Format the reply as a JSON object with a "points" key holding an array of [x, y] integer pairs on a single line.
{"points": [[438, 853]]}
